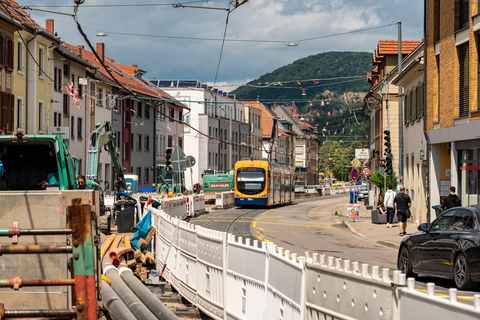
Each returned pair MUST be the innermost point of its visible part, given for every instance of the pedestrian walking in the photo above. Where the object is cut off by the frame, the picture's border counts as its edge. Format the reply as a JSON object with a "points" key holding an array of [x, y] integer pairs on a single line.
{"points": [[388, 201], [452, 200], [402, 204]]}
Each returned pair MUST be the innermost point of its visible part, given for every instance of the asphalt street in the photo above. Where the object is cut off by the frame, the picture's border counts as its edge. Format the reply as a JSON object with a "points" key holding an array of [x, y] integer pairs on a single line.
{"points": [[315, 225]]}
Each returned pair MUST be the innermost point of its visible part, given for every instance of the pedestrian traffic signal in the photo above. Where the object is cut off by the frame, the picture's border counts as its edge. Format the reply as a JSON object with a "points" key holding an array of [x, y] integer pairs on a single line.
{"points": [[168, 164]]}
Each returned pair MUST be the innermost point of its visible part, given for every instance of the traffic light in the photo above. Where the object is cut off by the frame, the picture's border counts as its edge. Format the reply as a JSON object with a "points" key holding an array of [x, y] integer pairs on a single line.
{"points": [[382, 162], [388, 153], [388, 165], [168, 164]]}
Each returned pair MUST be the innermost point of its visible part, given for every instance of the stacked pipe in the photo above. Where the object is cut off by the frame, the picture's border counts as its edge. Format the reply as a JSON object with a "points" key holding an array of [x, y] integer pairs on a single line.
{"points": [[122, 290]]}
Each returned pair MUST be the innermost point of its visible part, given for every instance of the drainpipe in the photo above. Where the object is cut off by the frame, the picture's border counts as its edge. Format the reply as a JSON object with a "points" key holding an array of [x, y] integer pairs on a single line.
{"points": [[400, 108], [427, 139], [27, 71]]}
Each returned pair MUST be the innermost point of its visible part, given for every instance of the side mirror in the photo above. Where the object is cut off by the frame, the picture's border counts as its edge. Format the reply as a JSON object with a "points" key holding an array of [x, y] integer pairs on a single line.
{"points": [[107, 185], [423, 227]]}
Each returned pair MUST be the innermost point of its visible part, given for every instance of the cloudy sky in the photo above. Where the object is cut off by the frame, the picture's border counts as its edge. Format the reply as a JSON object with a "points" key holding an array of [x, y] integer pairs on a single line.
{"points": [[157, 37]]}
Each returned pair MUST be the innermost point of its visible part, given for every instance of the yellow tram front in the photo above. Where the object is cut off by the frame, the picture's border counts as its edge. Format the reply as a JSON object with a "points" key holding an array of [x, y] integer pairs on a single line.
{"points": [[251, 182]]}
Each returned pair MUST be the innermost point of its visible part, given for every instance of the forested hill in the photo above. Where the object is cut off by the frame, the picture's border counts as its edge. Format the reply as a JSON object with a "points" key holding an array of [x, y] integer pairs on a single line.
{"points": [[327, 89]]}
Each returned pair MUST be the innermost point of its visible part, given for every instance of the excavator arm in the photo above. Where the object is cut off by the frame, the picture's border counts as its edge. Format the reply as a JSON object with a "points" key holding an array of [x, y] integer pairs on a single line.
{"points": [[104, 136]]}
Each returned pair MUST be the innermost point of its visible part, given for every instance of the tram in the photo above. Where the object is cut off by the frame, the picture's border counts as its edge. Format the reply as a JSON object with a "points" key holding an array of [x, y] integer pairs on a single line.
{"points": [[263, 183]]}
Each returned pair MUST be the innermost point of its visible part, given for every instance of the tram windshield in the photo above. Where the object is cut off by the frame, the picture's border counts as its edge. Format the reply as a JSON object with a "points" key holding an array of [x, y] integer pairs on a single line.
{"points": [[250, 181]]}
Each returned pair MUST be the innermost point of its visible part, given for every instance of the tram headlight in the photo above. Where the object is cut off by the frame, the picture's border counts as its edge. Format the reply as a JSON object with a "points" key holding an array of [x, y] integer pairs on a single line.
{"points": [[237, 195], [263, 196]]}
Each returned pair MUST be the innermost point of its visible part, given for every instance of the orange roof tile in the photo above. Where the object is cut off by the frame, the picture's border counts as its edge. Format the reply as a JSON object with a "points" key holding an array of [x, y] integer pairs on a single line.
{"points": [[13, 9], [267, 117], [391, 46], [126, 79]]}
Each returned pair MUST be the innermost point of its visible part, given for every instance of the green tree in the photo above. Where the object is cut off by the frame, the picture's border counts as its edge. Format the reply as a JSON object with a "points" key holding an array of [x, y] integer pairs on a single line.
{"points": [[379, 181]]}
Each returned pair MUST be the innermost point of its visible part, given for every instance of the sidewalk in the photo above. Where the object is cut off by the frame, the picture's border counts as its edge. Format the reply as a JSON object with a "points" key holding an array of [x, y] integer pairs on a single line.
{"points": [[378, 233]]}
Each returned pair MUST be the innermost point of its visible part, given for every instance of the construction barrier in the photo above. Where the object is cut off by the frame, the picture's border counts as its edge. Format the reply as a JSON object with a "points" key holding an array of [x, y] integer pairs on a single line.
{"points": [[175, 206], [195, 204], [232, 278], [225, 199]]}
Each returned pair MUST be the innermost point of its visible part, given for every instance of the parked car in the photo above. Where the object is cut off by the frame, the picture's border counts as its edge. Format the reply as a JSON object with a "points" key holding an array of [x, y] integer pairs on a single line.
{"points": [[448, 247], [362, 193]]}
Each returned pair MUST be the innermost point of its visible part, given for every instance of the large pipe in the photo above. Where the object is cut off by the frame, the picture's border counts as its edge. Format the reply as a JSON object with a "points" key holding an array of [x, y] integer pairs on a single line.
{"points": [[62, 313], [35, 249], [19, 282], [112, 303], [33, 232], [147, 297], [133, 303]]}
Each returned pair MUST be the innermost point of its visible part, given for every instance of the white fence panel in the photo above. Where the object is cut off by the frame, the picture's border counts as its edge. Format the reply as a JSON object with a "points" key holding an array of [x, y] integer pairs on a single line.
{"points": [[285, 284], [336, 288], [246, 278], [418, 305], [210, 275]]}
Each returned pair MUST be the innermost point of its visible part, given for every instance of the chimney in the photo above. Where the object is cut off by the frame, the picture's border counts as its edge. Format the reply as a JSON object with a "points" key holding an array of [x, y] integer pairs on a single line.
{"points": [[80, 50], [135, 66], [101, 50], [50, 27]]}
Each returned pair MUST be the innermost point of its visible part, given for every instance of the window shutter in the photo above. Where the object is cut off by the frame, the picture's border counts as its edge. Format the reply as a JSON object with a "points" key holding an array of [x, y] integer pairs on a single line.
{"points": [[12, 111], [10, 53], [414, 105], [463, 59], [405, 108], [3, 51], [4, 110]]}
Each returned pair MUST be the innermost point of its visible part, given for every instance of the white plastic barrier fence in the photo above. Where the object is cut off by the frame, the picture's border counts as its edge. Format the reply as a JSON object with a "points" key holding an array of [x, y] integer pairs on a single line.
{"points": [[224, 199], [175, 206], [232, 279], [195, 204]]}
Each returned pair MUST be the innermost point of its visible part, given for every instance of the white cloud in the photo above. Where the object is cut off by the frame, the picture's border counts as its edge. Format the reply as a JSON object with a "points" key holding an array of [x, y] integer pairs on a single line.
{"points": [[277, 20]]}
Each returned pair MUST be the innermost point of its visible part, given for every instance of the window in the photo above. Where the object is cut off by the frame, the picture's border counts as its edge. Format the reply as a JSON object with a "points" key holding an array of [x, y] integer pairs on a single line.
{"points": [[180, 115], [79, 127], [139, 109], [420, 101], [40, 116], [80, 88], [463, 221], [125, 120], [209, 158], [19, 112], [109, 100], [442, 221], [169, 142], [131, 139], [147, 112], [100, 97], [59, 79], [139, 142], [66, 105], [55, 79], [145, 173], [72, 126], [436, 20], [125, 153], [463, 70], [20, 56], [55, 119], [66, 72], [118, 135], [41, 62], [180, 142], [147, 143], [156, 144], [139, 174], [171, 114], [73, 79], [464, 14]]}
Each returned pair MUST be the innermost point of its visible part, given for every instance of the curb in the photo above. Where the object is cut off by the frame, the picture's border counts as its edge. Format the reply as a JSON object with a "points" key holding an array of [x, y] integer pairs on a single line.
{"points": [[382, 242]]}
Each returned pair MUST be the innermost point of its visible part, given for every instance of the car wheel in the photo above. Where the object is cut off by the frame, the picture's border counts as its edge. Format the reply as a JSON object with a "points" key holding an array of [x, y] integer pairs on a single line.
{"points": [[461, 274], [404, 262]]}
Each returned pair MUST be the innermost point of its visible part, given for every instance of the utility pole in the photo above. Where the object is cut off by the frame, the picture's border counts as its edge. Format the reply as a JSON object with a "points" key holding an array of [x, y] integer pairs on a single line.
{"points": [[400, 107]]}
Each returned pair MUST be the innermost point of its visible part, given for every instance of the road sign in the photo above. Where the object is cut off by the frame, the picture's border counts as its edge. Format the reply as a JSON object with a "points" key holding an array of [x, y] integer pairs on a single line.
{"points": [[362, 154], [366, 171], [190, 161], [354, 174], [382, 172], [355, 162], [64, 132]]}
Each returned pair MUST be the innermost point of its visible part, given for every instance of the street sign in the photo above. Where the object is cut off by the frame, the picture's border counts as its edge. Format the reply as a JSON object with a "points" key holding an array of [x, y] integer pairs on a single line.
{"points": [[366, 171], [382, 172], [362, 154], [64, 132], [354, 174], [355, 162]]}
